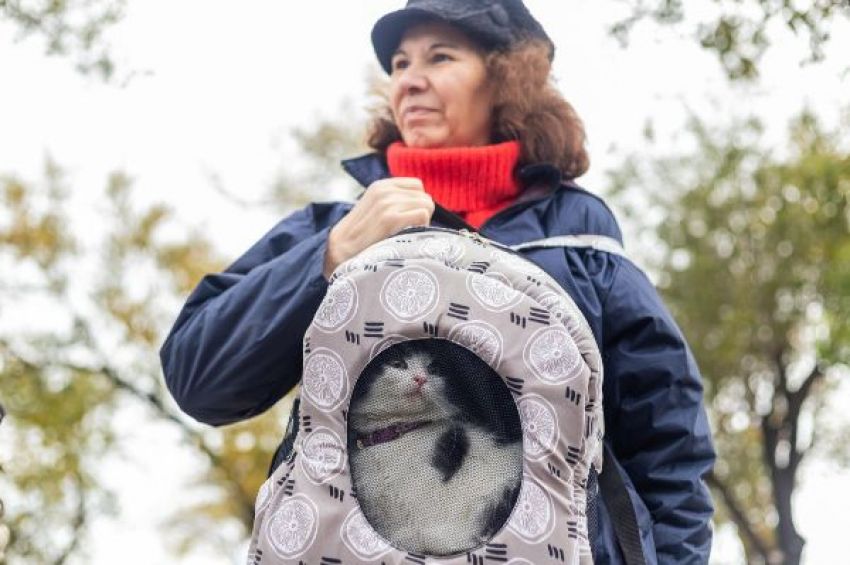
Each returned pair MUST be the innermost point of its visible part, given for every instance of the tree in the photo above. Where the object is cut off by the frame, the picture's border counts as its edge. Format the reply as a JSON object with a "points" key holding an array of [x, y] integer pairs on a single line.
{"points": [[63, 383], [737, 31], [4, 529], [101, 313], [73, 28], [756, 268]]}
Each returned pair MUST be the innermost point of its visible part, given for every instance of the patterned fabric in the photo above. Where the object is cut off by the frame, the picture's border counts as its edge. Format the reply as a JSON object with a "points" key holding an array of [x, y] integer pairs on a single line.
{"points": [[427, 284]]}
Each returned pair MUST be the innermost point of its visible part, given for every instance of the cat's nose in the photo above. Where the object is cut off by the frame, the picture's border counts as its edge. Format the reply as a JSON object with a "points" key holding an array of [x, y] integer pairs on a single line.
{"points": [[419, 380]]}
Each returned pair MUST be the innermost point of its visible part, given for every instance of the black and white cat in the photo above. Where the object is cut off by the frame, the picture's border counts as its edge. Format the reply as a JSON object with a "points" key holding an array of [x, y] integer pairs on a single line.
{"points": [[435, 447]]}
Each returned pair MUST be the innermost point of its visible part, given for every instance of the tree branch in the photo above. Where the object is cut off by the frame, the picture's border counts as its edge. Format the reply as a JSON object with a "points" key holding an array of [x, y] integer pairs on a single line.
{"points": [[795, 406], [245, 503], [77, 524], [796, 398], [736, 512], [781, 370]]}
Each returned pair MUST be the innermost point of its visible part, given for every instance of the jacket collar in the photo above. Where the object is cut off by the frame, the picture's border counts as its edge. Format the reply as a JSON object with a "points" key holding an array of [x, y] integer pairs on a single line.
{"points": [[367, 168], [538, 179]]}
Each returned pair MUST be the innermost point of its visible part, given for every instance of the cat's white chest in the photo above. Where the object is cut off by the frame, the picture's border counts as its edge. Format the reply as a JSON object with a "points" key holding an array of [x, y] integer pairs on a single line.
{"points": [[407, 492]]}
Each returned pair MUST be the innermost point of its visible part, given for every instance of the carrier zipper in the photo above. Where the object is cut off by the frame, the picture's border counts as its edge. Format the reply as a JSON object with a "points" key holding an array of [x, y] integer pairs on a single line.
{"points": [[473, 235]]}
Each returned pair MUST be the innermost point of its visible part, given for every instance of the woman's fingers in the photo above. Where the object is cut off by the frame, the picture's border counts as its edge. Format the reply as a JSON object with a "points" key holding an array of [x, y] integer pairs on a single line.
{"points": [[406, 183], [415, 217], [387, 206]]}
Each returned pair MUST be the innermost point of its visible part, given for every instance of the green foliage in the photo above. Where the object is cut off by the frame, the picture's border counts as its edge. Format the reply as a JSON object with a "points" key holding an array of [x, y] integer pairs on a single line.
{"points": [[755, 270], [738, 30], [55, 413], [63, 380], [63, 385], [761, 243], [57, 434], [73, 28], [244, 452]]}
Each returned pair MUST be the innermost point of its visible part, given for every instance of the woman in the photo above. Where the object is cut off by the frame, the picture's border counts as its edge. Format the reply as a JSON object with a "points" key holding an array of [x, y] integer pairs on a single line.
{"points": [[473, 125]]}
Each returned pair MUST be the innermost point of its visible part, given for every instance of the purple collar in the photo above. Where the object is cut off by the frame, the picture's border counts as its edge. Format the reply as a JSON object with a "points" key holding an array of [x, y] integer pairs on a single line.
{"points": [[389, 433]]}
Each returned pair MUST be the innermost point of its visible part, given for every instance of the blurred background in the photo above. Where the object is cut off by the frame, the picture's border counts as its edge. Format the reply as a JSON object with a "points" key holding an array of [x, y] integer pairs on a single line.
{"points": [[144, 144]]}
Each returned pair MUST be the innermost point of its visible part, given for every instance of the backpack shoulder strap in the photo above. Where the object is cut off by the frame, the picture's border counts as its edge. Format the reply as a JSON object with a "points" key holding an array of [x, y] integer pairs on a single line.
{"points": [[600, 242], [620, 509]]}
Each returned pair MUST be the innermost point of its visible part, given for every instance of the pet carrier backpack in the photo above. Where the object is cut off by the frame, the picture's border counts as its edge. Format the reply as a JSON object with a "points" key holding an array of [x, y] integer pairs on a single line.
{"points": [[504, 378]]}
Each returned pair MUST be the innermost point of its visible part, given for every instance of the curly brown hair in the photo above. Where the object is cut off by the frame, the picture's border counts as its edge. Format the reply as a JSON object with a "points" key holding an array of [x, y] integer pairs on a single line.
{"points": [[528, 107]]}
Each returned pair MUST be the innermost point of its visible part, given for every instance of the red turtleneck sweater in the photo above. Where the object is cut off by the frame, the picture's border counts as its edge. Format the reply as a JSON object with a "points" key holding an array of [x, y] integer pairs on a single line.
{"points": [[473, 182]]}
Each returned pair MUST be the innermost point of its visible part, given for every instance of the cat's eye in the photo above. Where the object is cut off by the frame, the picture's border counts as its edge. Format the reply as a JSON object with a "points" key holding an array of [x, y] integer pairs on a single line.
{"points": [[433, 368], [398, 364]]}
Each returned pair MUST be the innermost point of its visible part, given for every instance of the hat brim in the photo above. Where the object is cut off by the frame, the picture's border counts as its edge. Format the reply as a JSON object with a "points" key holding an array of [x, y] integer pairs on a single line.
{"points": [[388, 31]]}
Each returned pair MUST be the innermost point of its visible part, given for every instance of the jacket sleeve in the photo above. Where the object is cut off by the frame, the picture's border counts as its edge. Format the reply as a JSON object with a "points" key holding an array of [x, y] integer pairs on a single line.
{"points": [[235, 347], [655, 416]]}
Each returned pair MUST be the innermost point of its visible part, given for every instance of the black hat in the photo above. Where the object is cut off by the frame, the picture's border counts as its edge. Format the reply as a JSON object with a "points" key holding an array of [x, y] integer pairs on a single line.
{"points": [[492, 23]]}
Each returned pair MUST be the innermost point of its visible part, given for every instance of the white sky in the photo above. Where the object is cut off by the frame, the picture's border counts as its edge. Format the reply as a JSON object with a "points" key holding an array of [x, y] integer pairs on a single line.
{"points": [[221, 83]]}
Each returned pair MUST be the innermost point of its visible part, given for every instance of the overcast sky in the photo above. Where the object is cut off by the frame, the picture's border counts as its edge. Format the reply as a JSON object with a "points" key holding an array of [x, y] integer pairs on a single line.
{"points": [[214, 88]]}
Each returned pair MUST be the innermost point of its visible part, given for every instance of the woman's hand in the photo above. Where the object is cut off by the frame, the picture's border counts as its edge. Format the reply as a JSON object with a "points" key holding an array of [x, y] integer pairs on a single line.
{"points": [[387, 206]]}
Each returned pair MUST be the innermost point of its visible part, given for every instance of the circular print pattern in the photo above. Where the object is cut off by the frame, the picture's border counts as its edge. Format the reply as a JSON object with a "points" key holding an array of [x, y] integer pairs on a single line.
{"points": [[481, 338], [324, 379], [322, 455], [292, 528], [338, 307], [493, 291], [442, 249], [376, 254], [552, 355], [555, 304], [565, 311], [410, 293], [263, 496], [533, 514], [360, 538], [539, 426]]}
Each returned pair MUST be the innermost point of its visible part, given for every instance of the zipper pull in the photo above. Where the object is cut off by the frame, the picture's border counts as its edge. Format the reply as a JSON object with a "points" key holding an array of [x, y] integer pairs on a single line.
{"points": [[474, 236]]}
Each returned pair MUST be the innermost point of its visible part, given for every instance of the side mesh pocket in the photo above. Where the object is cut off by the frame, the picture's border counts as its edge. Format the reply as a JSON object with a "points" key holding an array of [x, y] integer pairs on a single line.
{"points": [[593, 512], [285, 448]]}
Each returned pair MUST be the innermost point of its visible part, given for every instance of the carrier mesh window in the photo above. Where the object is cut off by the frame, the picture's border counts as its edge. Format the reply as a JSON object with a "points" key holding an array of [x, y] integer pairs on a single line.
{"points": [[435, 447]]}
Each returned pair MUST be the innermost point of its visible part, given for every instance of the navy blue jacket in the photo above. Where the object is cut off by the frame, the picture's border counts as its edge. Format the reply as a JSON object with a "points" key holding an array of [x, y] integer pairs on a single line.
{"points": [[235, 348]]}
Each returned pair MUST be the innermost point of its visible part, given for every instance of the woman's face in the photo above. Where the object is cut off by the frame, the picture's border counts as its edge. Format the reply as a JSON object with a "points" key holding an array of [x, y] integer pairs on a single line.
{"points": [[439, 92]]}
